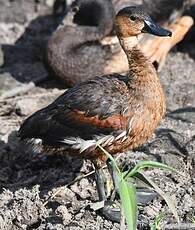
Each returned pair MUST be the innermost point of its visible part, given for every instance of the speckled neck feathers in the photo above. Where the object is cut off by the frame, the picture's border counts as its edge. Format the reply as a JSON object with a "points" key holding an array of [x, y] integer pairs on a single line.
{"points": [[139, 65], [128, 43]]}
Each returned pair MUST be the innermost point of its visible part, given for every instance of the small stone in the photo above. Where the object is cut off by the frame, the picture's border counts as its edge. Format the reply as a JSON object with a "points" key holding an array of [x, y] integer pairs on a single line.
{"points": [[79, 216], [7, 82], [63, 212], [26, 106], [49, 3], [65, 197], [83, 189]]}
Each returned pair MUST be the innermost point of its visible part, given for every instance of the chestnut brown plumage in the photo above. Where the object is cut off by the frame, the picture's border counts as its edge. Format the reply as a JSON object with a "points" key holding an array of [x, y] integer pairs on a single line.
{"points": [[118, 112]]}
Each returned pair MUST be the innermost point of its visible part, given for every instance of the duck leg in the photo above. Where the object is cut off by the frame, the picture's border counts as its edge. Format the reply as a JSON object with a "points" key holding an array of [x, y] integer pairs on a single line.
{"points": [[108, 210], [104, 184], [156, 49], [100, 183]]}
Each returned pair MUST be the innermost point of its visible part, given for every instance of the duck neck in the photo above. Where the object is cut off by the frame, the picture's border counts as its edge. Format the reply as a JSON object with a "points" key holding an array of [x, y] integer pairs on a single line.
{"points": [[93, 20], [128, 44], [139, 65]]}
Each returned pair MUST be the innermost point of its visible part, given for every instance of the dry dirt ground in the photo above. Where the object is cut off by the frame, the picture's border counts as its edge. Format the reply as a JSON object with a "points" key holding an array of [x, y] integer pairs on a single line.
{"points": [[28, 180]]}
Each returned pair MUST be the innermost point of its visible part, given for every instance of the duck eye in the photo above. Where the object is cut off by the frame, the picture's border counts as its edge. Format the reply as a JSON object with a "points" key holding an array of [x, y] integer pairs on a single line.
{"points": [[133, 18]]}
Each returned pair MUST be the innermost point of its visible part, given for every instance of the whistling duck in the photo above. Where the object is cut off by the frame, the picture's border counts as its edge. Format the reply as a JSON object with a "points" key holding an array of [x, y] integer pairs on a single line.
{"points": [[81, 47], [118, 112]]}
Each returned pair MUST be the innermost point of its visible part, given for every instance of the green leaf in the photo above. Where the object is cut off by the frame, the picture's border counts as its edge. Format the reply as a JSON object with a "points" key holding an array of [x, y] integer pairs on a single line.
{"points": [[157, 222], [128, 197], [148, 164], [127, 191], [165, 196], [127, 194]]}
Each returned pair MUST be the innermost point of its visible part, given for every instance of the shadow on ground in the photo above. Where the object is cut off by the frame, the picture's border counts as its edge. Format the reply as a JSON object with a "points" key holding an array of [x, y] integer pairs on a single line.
{"points": [[22, 166], [26, 181]]}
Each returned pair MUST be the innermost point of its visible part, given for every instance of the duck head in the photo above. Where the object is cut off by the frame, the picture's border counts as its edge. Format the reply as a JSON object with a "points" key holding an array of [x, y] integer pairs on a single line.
{"points": [[133, 20]]}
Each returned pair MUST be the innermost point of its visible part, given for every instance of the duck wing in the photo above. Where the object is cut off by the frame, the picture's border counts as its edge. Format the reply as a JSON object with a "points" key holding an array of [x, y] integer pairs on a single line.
{"points": [[96, 107]]}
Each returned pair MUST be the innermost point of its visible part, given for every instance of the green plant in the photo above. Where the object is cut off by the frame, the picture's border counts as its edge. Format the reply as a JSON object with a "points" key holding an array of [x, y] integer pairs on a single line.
{"points": [[127, 189], [157, 222]]}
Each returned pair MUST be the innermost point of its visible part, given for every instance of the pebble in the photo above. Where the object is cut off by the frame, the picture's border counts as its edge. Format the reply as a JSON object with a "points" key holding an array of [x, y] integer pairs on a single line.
{"points": [[25, 107], [7, 82], [66, 216], [49, 2]]}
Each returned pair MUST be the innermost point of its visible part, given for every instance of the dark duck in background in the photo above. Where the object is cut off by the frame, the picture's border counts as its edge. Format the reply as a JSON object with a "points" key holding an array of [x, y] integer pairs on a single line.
{"points": [[118, 112], [74, 51], [84, 45]]}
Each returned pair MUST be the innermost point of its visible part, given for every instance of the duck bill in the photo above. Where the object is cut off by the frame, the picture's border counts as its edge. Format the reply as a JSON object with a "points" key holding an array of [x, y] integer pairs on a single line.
{"points": [[152, 28]]}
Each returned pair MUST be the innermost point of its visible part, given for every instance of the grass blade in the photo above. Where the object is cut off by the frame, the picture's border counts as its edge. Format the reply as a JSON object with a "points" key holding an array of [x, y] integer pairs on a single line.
{"points": [[127, 192], [128, 197], [148, 164], [165, 196], [157, 222]]}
